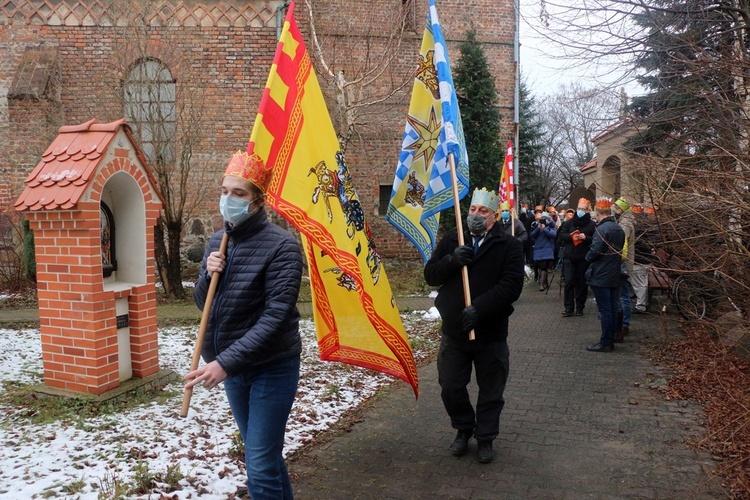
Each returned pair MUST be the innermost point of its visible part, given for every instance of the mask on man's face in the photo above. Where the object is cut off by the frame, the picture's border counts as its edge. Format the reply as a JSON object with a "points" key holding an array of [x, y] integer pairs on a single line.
{"points": [[235, 210], [505, 215], [580, 213], [476, 224]]}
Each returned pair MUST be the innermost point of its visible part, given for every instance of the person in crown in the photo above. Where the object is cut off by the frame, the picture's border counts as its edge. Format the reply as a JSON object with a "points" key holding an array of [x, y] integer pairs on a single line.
{"points": [[603, 274], [576, 236], [495, 267], [252, 341]]}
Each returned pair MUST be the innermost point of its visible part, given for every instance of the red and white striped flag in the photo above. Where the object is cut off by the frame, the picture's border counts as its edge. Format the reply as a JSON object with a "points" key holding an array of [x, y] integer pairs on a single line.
{"points": [[506, 189]]}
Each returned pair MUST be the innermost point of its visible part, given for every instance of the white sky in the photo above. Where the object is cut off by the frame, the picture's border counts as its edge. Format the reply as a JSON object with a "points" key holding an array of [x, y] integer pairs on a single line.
{"points": [[546, 63]]}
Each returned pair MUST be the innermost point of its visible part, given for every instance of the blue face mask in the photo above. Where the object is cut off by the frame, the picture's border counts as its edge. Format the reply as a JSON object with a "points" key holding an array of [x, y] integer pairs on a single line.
{"points": [[505, 215], [235, 210], [580, 213]]}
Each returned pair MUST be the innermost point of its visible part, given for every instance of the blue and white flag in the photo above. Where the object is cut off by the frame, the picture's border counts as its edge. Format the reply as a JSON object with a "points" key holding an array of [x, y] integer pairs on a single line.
{"points": [[422, 187]]}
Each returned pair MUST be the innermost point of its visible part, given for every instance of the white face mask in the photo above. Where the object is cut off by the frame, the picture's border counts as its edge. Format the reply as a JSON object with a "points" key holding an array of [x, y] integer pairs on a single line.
{"points": [[235, 210]]}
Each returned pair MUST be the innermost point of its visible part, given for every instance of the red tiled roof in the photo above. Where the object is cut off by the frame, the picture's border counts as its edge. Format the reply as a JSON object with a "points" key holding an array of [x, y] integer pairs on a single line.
{"points": [[67, 166], [589, 165], [623, 123]]}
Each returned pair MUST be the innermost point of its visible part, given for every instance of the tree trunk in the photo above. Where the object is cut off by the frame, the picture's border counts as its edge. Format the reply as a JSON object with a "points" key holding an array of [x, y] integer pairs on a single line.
{"points": [[174, 264], [168, 264]]}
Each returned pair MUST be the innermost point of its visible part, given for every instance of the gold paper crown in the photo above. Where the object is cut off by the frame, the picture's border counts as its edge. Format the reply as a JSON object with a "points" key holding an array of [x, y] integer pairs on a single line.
{"points": [[504, 206], [484, 197], [250, 168], [604, 203]]}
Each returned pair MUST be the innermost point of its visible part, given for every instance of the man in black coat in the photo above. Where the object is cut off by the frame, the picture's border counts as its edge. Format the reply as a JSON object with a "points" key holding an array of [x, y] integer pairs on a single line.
{"points": [[575, 236], [495, 271]]}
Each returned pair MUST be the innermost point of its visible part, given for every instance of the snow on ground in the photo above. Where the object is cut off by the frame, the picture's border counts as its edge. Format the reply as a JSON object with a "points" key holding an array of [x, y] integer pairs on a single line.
{"points": [[90, 458]]}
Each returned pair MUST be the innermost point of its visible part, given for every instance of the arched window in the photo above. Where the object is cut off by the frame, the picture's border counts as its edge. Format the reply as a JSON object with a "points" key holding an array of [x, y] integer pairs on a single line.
{"points": [[149, 95]]}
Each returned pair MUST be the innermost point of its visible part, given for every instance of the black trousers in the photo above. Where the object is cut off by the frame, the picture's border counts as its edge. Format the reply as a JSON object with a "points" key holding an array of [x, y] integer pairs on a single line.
{"points": [[576, 289], [492, 363]]}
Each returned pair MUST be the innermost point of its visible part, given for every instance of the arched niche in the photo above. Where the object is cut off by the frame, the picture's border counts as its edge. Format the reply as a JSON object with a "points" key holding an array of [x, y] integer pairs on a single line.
{"points": [[124, 198], [611, 184]]}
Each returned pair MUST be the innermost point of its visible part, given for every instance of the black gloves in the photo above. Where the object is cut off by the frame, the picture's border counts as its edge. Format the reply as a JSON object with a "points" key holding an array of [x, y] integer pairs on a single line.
{"points": [[469, 319], [462, 255]]}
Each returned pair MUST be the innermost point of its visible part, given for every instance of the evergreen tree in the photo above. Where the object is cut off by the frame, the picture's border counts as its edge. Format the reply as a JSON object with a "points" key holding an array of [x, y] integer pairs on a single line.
{"points": [[694, 144], [693, 62], [532, 185], [480, 113]]}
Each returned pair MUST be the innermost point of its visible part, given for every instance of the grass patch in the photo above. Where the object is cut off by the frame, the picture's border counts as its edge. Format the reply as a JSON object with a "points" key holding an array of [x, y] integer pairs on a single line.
{"points": [[406, 277], [25, 299], [75, 410]]}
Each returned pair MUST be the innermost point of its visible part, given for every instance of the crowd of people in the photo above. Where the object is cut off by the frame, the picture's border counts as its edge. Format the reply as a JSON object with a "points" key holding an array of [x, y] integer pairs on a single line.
{"points": [[607, 247], [253, 343]]}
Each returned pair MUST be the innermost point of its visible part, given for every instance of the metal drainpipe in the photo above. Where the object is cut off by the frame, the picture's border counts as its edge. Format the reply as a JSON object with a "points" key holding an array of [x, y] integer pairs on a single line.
{"points": [[280, 18]]}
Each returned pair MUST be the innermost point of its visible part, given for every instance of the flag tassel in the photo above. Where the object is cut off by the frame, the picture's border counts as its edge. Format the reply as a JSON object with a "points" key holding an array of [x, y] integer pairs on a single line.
{"points": [[460, 230]]}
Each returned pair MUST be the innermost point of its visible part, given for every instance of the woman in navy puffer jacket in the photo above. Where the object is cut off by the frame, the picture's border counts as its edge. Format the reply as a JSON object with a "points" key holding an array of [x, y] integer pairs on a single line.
{"points": [[252, 339]]}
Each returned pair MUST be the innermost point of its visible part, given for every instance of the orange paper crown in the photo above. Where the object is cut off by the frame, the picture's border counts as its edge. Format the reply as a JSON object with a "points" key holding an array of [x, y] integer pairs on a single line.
{"points": [[250, 168], [604, 203], [637, 208], [584, 201]]}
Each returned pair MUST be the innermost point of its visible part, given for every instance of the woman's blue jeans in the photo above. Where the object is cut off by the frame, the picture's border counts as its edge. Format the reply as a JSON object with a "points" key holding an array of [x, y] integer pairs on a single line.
{"points": [[608, 305], [261, 400]]}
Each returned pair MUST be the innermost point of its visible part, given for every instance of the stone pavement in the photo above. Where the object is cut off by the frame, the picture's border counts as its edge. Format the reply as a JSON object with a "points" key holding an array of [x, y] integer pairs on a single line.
{"points": [[575, 425]]}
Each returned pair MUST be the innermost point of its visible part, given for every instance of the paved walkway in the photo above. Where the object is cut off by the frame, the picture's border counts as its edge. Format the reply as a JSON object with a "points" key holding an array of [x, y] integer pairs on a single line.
{"points": [[576, 425]]}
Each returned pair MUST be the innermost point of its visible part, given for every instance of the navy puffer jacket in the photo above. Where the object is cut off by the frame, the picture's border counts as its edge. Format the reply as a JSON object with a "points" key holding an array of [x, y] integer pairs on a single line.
{"points": [[605, 254], [254, 318]]}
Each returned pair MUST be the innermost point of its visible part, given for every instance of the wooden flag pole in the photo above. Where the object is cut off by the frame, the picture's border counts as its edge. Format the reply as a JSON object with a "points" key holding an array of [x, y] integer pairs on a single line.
{"points": [[460, 230], [202, 329]]}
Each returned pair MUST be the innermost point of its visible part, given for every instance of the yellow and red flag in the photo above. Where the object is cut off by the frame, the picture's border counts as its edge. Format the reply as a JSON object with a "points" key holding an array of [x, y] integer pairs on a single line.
{"points": [[356, 316], [506, 189]]}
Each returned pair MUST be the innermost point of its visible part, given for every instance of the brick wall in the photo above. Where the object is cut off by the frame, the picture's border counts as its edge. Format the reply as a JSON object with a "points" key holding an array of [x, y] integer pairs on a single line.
{"points": [[229, 55]]}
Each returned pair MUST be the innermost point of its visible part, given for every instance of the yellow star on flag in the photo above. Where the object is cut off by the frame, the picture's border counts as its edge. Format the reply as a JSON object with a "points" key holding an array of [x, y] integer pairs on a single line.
{"points": [[427, 142]]}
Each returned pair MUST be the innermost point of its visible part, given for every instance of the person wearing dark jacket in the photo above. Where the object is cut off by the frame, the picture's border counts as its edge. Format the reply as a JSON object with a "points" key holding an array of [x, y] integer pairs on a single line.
{"points": [[603, 274], [526, 217], [252, 340], [575, 236], [544, 235], [496, 274], [512, 226]]}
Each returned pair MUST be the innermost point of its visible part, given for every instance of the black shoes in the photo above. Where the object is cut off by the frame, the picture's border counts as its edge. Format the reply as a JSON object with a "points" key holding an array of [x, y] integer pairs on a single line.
{"points": [[485, 452], [600, 347], [579, 313], [567, 314], [460, 445]]}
